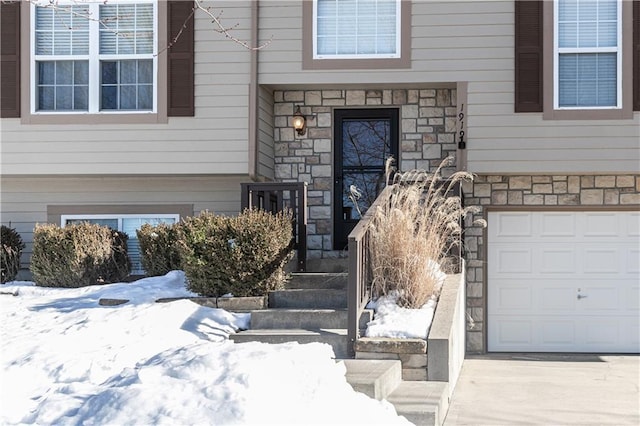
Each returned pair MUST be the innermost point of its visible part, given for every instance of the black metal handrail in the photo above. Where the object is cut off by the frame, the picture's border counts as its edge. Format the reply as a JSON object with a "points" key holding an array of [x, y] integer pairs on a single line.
{"points": [[275, 197]]}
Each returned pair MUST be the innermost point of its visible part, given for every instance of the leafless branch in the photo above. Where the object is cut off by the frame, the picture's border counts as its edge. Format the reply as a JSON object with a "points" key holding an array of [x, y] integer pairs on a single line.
{"points": [[215, 17]]}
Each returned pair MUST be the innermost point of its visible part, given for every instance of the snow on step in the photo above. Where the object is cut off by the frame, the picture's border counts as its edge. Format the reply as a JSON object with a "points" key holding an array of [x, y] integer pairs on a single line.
{"points": [[337, 338], [304, 318], [375, 378], [422, 403]]}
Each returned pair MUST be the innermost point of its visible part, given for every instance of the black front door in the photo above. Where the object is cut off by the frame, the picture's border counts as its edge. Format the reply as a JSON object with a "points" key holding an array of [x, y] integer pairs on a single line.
{"points": [[364, 139]]}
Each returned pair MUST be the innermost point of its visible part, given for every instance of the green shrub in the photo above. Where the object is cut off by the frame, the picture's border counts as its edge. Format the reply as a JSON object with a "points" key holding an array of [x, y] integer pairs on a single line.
{"points": [[78, 255], [10, 253], [159, 248], [244, 255]]}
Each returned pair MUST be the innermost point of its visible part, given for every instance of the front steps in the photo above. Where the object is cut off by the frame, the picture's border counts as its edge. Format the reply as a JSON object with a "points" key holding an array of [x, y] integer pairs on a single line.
{"points": [[312, 308], [420, 402], [310, 319]]}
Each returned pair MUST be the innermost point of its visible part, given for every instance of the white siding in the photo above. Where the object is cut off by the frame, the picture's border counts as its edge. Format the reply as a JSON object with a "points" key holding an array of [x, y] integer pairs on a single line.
{"points": [[266, 154], [469, 41]]}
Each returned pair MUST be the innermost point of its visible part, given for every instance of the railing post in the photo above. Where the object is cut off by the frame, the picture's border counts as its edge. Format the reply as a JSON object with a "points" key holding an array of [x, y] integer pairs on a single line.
{"points": [[270, 197], [302, 226], [353, 295], [244, 196]]}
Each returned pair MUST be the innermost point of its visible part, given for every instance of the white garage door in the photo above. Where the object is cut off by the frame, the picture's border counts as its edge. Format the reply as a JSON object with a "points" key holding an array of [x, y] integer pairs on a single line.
{"points": [[563, 281]]}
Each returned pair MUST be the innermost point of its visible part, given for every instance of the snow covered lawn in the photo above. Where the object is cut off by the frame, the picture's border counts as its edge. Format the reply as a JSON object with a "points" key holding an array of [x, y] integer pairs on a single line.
{"points": [[66, 360]]}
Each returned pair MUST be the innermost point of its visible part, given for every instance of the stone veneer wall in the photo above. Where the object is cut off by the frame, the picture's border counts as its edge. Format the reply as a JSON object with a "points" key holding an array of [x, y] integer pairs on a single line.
{"points": [[534, 192], [427, 127]]}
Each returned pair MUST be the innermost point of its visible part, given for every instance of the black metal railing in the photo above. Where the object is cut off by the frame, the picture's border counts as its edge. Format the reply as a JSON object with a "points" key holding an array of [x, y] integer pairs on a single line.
{"points": [[275, 197]]}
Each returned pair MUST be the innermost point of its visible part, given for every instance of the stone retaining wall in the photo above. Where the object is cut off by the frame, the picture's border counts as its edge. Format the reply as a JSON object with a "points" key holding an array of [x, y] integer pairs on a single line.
{"points": [[412, 354], [440, 357]]}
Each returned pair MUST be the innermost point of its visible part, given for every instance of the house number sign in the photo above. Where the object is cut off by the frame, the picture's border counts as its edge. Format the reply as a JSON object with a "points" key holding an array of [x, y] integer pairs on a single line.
{"points": [[462, 144], [461, 135]]}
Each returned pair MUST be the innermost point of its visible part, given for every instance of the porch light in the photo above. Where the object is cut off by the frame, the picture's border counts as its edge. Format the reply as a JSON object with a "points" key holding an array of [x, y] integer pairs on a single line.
{"points": [[299, 122]]}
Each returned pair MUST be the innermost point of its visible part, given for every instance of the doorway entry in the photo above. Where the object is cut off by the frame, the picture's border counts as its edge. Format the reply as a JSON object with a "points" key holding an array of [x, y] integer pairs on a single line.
{"points": [[363, 140]]}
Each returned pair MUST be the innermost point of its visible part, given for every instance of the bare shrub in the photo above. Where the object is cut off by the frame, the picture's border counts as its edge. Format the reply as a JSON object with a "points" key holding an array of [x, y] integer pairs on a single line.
{"points": [[413, 233], [10, 251], [78, 255], [159, 248], [244, 255]]}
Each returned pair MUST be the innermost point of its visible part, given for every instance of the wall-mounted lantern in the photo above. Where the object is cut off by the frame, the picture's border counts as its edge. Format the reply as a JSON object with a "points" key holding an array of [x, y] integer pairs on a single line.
{"points": [[299, 122]]}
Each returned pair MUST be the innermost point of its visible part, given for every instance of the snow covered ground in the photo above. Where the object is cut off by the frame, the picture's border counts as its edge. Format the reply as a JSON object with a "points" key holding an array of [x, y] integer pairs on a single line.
{"points": [[66, 360]]}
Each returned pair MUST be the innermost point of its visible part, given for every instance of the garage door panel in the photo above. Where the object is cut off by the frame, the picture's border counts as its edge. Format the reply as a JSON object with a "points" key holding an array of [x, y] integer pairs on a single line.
{"points": [[512, 225], [632, 329], [526, 296], [598, 298], [633, 261], [554, 300], [601, 332], [514, 299], [602, 224], [632, 225], [632, 299], [515, 333], [562, 224], [558, 332], [513, 260], [557, 260], [601, 260], [570, 283]]}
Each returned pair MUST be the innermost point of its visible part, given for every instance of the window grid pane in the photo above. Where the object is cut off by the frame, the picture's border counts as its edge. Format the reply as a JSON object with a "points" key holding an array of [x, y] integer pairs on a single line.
{"points": [[587, 80], [127, 82], [588, 53], [587, 23], [62, 85], [356, 27], [128, 29], [127, 85], [63, 30]]}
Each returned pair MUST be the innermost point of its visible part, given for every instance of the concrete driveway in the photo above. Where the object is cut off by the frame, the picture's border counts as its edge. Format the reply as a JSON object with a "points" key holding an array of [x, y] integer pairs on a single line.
{"points": [[540, 389]]}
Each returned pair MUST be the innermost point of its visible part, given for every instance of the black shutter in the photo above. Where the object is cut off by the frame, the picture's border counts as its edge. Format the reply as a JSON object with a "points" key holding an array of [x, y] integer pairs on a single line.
{"points": [[180, 59], [10, 59], [636, 55], [528, 56]]}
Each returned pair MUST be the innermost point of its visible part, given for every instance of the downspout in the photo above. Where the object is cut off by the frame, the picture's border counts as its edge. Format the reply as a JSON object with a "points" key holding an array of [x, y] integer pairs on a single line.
{"points": [[253, 95]]}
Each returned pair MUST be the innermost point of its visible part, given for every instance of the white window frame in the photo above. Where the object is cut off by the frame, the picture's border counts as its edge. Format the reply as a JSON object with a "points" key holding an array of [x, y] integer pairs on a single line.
{"points": [[66, 217], [94, 58], [557, 51], [398, 53]]}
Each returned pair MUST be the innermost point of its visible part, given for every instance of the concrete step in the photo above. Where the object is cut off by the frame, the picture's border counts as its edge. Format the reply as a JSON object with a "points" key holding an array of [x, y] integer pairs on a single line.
{"points": [[422, 403], [304, 318], [313, 280], [328, 265], [308, 299], [337, 338], [375, 378]]}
